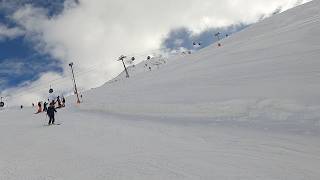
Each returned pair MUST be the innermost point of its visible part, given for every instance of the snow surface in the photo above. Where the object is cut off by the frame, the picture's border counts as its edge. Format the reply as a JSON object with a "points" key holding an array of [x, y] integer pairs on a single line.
{"points": [[104, 146], [248, 110]]}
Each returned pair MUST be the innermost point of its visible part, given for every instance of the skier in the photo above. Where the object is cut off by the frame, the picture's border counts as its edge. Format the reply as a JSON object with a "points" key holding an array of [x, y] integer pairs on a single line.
{"points": [[39, 108], [50, 112], [53, 102], [63, 102], [59, 102], [45, 106]]}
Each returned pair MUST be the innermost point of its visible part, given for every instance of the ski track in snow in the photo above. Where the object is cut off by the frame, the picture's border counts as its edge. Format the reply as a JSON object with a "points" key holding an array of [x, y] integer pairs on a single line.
{"points": [[102, 146]]}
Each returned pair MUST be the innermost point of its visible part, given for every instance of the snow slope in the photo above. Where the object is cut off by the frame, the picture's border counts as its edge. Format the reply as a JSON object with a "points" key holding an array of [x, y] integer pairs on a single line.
{"points": [[140, 68], [248, 110], [104, 146], [269, 71]]}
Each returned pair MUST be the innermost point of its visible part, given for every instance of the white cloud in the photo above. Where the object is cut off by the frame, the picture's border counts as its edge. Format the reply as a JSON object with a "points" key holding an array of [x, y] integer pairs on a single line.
{"points": [[96, 32], [9, 33], [33, 92]]}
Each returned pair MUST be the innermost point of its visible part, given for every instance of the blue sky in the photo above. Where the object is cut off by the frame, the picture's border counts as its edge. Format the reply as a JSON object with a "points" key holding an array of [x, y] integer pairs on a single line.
{"points": [[19, 61], [184, 37]]}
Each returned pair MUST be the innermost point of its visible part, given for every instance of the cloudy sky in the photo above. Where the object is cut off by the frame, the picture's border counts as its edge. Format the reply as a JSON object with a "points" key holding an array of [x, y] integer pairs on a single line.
{"points": [[39, 38]]}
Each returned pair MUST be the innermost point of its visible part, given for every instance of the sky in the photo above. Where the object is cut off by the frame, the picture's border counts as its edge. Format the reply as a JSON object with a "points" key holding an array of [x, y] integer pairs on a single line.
{"points": [[39, 38]]}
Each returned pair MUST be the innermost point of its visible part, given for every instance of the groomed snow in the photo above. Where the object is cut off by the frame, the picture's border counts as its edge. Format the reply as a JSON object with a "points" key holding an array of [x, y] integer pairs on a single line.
{"points": [[248, 110], [104, 146]]}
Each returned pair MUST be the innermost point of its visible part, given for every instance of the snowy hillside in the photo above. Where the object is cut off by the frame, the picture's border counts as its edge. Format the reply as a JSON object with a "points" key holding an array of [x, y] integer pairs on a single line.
{"points": [[143, 67], [248, 110], [268, 71]]}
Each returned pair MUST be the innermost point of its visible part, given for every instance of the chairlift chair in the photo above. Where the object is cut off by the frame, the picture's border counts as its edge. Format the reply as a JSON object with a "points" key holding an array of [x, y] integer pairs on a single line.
{"points": [[50, 90], [1, 103]]}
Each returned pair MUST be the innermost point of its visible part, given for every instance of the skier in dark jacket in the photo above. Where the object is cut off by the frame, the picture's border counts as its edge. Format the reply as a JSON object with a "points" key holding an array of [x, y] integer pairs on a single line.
{"points": [[63, 102], [50, 112], [45, 106]]}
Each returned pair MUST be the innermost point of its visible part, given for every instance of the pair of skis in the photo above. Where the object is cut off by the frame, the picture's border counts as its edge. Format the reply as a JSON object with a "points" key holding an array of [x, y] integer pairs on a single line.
{"points": [[57, 124]]}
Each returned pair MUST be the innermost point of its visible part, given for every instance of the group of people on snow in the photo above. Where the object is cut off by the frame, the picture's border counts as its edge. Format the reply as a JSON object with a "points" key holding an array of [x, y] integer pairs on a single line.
{"points": [[50, 107], [57, 103]]}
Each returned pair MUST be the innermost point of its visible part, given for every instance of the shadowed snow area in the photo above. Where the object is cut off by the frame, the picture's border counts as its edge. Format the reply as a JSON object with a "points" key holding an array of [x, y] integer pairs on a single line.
{"points": [[248, 110]]}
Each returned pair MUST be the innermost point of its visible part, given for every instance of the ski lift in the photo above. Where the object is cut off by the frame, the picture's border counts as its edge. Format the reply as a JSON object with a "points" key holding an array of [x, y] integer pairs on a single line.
{"points": [[50, 90], [218, 35], [196, 43], [122, 57], [1, 103]]}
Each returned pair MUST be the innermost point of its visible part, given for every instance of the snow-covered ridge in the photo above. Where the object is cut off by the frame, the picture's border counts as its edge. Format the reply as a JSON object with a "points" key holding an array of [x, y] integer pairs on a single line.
{"points": [[269, 71]]}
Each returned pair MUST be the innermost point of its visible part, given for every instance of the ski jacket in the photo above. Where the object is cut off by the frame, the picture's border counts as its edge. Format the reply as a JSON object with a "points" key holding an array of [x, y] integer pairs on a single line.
{"points": [[51, 110]]}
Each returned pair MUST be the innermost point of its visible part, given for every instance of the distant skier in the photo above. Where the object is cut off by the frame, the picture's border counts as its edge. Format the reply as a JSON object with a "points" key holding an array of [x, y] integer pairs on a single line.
{"points": [[63, 102], [45, 108], [53, 102], [50, 112], [21, 107], [39, 108], [59, 102]]}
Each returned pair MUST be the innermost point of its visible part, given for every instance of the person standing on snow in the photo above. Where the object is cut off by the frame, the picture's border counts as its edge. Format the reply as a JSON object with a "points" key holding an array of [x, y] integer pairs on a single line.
{"points": [[59, 102], [63, 102], [50, 112], [53, 102], [45, 106], [39, 108]]}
